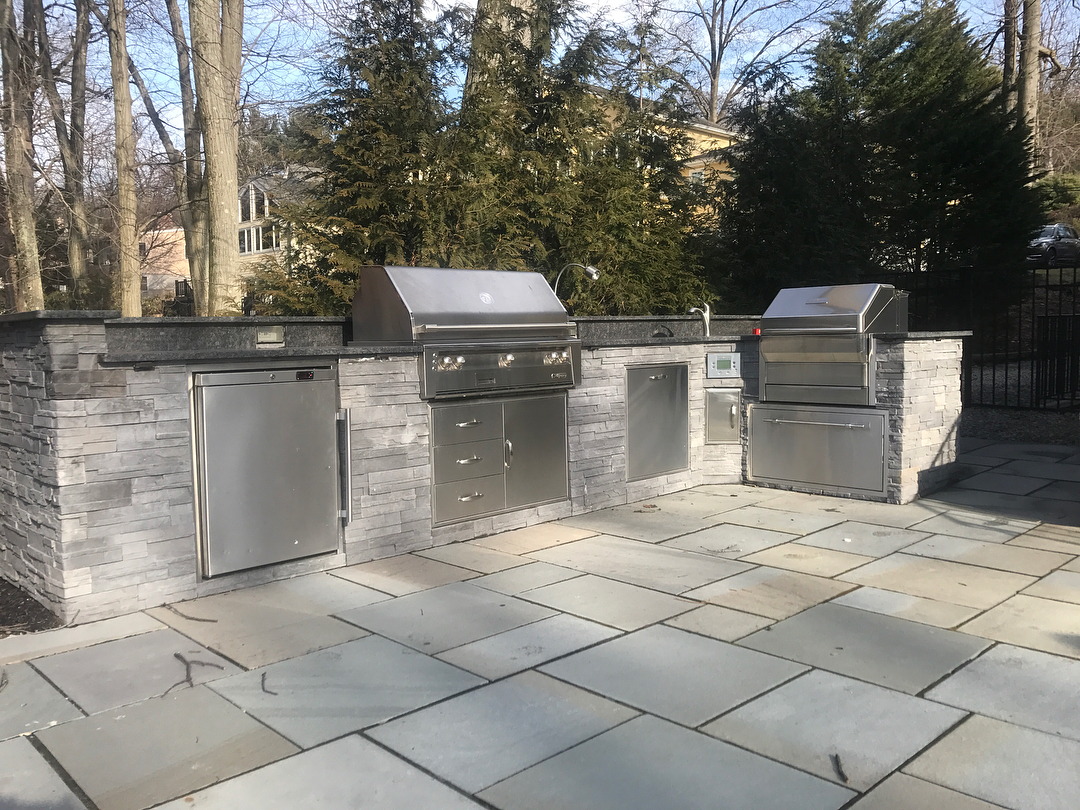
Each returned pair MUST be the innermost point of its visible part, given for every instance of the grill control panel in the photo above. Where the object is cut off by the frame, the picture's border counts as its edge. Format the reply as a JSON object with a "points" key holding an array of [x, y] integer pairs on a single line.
{"points": [[456, 371], [719, 365]]}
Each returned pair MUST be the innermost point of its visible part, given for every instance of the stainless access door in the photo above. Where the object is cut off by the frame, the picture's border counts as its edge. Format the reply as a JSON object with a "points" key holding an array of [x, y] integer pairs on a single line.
{"points": [[658, 420], [267, 466], [535, 450]]}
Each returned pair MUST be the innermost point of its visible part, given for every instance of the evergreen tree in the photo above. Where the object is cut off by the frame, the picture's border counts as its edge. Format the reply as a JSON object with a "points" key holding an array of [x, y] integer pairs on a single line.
{"points": [[896, 158]]}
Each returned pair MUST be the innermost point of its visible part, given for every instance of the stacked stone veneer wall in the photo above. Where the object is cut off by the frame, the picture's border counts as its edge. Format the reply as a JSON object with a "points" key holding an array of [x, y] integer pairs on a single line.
{"points": [[97, 512], [918, 382]]}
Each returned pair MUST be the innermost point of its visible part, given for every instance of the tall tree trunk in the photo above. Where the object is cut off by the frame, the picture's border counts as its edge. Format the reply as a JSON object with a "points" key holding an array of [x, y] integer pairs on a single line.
{"points": [[70, 135], [216, 30], [18, 111], [130, 276], [1028, 84], [1008, 73]]}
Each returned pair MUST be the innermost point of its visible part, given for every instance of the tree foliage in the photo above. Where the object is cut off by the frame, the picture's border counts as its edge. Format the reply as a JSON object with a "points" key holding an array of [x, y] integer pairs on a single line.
{"points": [[898, 157], [535, 167]]}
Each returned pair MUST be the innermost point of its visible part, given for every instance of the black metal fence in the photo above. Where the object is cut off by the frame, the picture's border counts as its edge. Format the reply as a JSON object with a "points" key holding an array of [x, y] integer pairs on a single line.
{"points": [[1024, 351]]}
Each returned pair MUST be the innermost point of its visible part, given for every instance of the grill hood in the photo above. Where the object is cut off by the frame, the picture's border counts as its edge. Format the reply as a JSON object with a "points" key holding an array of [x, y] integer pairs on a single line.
{"points": [[847, 308], [426, 304]]}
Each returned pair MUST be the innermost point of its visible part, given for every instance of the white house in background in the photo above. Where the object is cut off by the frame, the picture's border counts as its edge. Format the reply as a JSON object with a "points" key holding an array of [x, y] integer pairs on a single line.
{"points": [[258, 235], [162, 262]]}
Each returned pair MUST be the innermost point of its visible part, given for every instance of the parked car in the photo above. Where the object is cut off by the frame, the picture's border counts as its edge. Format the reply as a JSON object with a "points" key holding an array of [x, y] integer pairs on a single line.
{"points": [[1055, 246]]}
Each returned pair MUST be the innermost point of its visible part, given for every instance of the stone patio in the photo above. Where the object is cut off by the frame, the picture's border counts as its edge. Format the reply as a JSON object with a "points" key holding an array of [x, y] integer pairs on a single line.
{"points": [[726, 647]]}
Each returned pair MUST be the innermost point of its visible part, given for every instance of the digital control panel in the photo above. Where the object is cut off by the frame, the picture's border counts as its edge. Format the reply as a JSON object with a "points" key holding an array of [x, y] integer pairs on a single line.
{"points": [[722, 364]]}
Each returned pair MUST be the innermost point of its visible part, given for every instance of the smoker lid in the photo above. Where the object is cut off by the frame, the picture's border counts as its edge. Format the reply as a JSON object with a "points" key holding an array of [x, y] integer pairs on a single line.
{"points": [[409, 304], [842, 308]]}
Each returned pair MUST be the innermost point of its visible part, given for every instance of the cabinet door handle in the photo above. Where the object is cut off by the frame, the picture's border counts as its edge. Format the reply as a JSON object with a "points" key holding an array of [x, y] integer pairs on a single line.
{"points": [[471, 460], [658, 377], [470, 424], [508, 456], [734, 411], [474, 497]]}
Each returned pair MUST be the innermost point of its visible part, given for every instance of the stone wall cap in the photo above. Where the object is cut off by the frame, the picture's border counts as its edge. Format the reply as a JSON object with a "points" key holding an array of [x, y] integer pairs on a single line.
{"points": [[60, 315], [898, 336]]}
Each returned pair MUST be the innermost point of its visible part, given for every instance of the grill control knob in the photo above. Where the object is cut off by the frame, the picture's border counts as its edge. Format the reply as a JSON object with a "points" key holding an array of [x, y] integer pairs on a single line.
{"points": [[447, 361], [509, 358], [460, 360], [565, 355]]}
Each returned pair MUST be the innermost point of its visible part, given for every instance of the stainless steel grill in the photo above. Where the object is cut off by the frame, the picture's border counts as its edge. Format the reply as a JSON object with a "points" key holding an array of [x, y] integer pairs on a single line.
{"points": [[817, 360], [500, 347], [482, 331], [817, 343]]}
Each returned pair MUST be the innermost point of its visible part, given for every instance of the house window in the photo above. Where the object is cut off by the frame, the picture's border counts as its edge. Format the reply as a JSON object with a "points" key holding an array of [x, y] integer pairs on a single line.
{"points": [[245, 205], [245, 241], [145, 283], [260, 204], [697, 177]]}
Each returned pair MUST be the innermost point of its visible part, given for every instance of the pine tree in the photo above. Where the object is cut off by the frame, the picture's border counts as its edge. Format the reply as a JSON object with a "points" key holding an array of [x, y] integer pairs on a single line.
{"points": [[898, 157]]}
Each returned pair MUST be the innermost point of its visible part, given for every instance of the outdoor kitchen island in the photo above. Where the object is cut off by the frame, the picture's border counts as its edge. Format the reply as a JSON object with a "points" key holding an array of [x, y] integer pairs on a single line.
{"points": [[99, 506]]}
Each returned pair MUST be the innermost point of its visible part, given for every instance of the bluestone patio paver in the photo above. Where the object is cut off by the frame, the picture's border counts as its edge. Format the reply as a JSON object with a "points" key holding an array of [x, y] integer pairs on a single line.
{"points": [[618, 604], [1002, 482], [448, 616], [527, 646], [475, 558], [719, 622], [1063, 539], [1062, 586], [1027, 621], [1072, 566], [1029, 509], [127, 670], [900, 516], [482, 737], [779, 520], [974, 525], [405, 573], [692, 503], [1024, 687], [637, 522], [866, 539], [1001, 556], [639, 563], [1030, 452], [258, 626], [831, 725], [50, 642], [1044, 469], [147, 753], [903, 792], [674, 674], [968, 585], [1015, 767], [1068, 491], [29, 702], [525, 578], [648, 763], [349, 773], [28, 782], [770, 592], [729, 540], [325, 694], [890, 652], [532, 538], [905, 606], [822, 562]]}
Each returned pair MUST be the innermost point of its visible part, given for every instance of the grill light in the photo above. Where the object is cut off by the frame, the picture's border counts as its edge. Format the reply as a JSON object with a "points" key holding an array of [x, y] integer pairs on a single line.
{"points": [[592, 272]]}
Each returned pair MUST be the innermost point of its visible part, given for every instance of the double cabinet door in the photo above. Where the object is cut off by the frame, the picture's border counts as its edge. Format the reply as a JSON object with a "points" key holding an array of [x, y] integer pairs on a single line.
{"points": [[492, 456]]}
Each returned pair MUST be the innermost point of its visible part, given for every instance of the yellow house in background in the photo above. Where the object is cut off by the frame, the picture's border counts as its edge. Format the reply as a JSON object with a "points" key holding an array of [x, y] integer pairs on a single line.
{"points": [[706, 140]]}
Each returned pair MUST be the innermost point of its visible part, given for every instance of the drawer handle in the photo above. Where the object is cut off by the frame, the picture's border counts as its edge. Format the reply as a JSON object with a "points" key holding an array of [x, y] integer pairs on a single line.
{"points": [[474, 497], [734, 412], [470, 424], [472, 460], [849, 426], [508, 454], [658, 377]]}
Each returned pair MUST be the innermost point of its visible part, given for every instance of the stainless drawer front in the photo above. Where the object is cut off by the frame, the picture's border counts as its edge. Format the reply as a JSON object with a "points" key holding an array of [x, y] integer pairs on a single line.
{"points": [[722, 415], [839, 450], [456, 462], [472, 422], [464, 499]]}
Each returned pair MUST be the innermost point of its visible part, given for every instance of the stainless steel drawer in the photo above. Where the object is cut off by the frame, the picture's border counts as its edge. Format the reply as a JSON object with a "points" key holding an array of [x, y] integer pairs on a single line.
{"points": [[468, 422], [456, 462], [464, 499], [833, 449]]}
